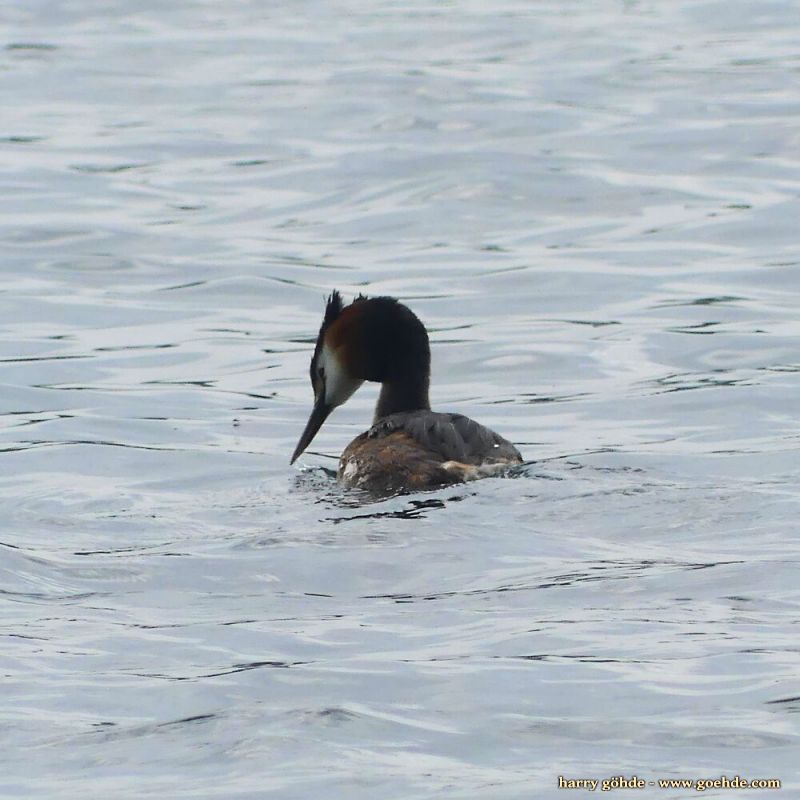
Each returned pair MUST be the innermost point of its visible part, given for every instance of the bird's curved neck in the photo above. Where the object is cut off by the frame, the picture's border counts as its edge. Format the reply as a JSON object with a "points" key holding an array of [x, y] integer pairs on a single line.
{"points": [[407, 392], [384, 341]]}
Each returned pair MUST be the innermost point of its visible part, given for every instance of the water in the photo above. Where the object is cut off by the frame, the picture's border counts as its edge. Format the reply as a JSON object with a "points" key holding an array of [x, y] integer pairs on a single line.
{"points": [[593, 206]]}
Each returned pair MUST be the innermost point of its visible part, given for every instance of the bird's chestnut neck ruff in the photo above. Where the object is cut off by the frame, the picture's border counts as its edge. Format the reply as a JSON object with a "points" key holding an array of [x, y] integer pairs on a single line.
{"points": [[378, 339], [373, 339]]}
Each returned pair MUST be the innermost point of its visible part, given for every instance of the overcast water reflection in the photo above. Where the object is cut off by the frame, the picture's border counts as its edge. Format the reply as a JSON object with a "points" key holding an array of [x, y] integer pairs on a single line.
{"points": [[594, 207]]}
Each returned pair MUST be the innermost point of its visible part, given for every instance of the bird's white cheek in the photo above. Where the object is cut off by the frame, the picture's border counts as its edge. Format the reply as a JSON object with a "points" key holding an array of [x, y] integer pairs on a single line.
{"points": [[339, 385]]}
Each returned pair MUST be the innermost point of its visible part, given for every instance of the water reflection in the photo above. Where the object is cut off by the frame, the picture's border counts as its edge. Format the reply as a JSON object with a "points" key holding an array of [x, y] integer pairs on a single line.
{"points": [[592, 207]]}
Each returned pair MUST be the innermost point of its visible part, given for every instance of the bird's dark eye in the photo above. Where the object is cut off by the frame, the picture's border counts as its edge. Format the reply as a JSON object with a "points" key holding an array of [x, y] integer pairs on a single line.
{"points": [[321, 372]]}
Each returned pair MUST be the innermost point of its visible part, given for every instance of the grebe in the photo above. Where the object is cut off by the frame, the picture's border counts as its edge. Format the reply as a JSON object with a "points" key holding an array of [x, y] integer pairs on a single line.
{"points": [[408, 446]]}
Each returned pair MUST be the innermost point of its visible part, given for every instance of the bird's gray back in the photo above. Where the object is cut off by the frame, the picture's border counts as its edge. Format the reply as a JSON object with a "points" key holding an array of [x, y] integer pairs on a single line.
{"points": [[453, 437]]}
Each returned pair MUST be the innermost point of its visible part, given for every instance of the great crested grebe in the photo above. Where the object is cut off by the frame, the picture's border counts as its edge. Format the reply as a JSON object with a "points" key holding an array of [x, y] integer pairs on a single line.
{"points": [[408, 446]]}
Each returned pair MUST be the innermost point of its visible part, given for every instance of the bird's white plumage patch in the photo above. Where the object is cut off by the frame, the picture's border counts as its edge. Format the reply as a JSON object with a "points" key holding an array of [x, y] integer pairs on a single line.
{"points": [[339, 384], [350, 471], [470, 472]]}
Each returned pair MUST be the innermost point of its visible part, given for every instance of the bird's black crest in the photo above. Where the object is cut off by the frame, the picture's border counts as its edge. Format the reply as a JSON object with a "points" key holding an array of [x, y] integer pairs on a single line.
{"points": [[332, 309]]}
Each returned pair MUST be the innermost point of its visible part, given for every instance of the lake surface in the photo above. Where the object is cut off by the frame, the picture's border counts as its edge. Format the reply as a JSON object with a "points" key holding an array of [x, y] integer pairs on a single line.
{"points": [[593, 206]]}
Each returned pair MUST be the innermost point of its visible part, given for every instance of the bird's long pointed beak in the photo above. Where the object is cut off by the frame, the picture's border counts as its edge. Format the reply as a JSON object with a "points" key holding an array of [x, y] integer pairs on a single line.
{"points": [[318, 415]]}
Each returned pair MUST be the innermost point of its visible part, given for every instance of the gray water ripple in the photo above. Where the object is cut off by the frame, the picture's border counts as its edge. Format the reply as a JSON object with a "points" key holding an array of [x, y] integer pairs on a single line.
{"points": [[594, 211]]}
